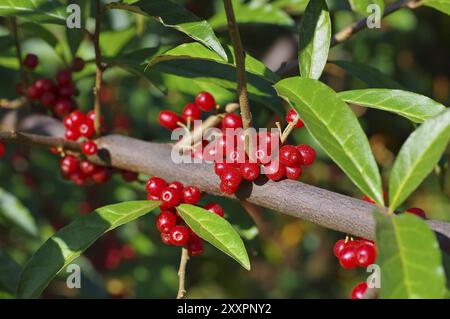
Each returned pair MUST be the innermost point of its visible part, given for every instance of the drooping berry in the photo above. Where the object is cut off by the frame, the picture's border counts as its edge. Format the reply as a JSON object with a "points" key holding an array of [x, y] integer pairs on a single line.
{"points": [[191, 195], [165, 238], [78, 64], [179, 235], [308, 154], [87, 167], [62, 107], [33, 92], [64, 77], [347, 258], [231, 178], [31, 61], [78, 178], [69, 165], [191, 112], [48, 98], [227, 190], [249, 171], [101, 175], [165, 221], [72, 134], [215, 208], [293, 173], [275, 170], [170, 197], [205, 101], [290, 156], [90, 116], [291, 116], [232, 121], [77, 118], [417, 211], [129, 176], [87, 129], [169, 119], [338, 247], [89, 148], [155, 185], [177, 185], [195, 245], [365, 255], [359, 291]]}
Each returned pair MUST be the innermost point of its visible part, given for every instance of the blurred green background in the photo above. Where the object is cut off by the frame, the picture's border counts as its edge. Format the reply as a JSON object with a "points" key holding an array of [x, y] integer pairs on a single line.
{"points": [[290, 258]]}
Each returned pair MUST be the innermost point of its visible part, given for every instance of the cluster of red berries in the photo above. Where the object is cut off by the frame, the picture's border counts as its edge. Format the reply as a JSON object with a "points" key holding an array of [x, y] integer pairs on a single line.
{"points": [[58, 95], [204, 102], [171, 226]]}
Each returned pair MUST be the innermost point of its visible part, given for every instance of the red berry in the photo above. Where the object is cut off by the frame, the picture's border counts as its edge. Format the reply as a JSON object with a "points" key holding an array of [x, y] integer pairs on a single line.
{"points": [[365, 255], [290, 156], [165, 221], [191, 195], [129, 176], [2, 150], [48, 98], [68, 123], [359, 290], [66, 91], [155, 185], [169, 119], [220, 168], [45, 85], [170, 197], [87, 167], [347, 258], [417, 211], [62, 107], [78, 178], [72, 134], [236, 157], [293, 173], [195, 245], [64, 77], [308, 154], [87, 129], [33, 92], [338, 247], [275, 171], [368, 199], [89, 148], [231, 120], [69, 165], [31, 61], [215, 208], [165, 238], [177, 185], [101, 175], [291, 116], [192, 112], [231, 178], [249, 171], [91, 117], [226, 189], [179, 235], [78, 64], [205, 101], [77, 118]]}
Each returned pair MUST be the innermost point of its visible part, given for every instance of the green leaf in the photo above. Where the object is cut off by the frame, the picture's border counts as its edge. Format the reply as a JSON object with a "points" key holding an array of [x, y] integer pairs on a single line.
{"points": [[369, 75], [360, 6], [44, 11], [409, 257], [291, 6], [315, 38], [417, 157], [215, 230], [253, 12], [113, 42], [71, 241], [441, 5], [14, 211], [175, 16], [415, 107], [9, 273], [31, 29], [335, 127]]}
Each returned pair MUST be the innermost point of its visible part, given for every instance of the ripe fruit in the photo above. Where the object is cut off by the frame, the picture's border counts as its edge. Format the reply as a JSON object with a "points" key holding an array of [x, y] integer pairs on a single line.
{"points": [[177, 185], [417, 211], [275, 171], [2, 150], [215, 208], [232, 121], [48, 98], [308, 154], [191, 195], [220, 168], [87, 167], [68, 165], [101, 175], [226, 189], [338, 247], [77, 118], [293, 173], [86, 129], [170, 197], [359, 290], [72, 134], [31, 61], [78, 178], [290, 156], [291, 116], [365, 255], [64, 77], [89, 148], [33, 92], [165, 221], [179, 235], [165, 238], [347, 258], [195, 245], [129, 176], [62, 107], [169, 119], [191, 112], [78, 64], [249, 171], [205, 101], [155, 185], [231, 178], [91, 117]]}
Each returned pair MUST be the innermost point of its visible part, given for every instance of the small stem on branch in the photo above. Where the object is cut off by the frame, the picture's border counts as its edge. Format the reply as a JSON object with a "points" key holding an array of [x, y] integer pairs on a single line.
{"points": [[182, 273], [99, 70]]}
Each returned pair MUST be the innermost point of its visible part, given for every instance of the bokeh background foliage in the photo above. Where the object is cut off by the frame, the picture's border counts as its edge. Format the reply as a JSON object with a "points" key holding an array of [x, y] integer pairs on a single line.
{"points": [[290, 258]]}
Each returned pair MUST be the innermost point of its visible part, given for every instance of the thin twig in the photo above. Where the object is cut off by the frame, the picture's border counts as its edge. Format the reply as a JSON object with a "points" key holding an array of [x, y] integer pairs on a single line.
{"points": [[182, 273], [39, 140], [13, 104], [240, 68], [99, 69]]}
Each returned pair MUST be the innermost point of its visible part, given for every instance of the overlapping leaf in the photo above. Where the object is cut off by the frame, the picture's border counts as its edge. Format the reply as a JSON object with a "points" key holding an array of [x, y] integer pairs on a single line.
{"points": [[332, 123], [49, 11], [441, 5], [9, 273], [361, 6]]}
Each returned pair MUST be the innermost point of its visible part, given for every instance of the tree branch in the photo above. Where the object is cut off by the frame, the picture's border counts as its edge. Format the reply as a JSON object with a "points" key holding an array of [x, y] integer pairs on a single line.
{"points": [[322, 207], [352, 29], [39, 140], [99, 69], [240, 65], [182, 273]]}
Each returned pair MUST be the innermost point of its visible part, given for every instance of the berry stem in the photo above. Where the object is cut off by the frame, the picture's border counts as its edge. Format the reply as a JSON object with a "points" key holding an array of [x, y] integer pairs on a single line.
{"points": [[182, 273], [99, 69]]}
